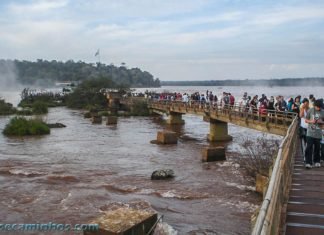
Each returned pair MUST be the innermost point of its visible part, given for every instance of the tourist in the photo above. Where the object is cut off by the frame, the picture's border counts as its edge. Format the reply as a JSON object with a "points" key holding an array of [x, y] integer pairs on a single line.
{"points": [[271, 104], [243, 102], [202, 99], [185, 98], [296, 105], [311, 101], [211, 98], [215, 99], [263, 98], [263, 109], [254, 104], [290, 104], [314, 118], [322, 147], [231, 99], [304, 107]]}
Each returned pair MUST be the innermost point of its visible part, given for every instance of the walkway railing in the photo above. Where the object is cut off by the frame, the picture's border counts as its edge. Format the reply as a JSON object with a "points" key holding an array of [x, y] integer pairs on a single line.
{"points": [[232, 111], [271, 214]]}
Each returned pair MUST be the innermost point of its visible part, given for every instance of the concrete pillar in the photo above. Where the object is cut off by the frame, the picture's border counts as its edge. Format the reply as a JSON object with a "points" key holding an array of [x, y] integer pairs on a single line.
{"points": [[124, 221], [167, 137], [96, 120], [211, 154], [175, 119], [218, 131], [111, 120]]}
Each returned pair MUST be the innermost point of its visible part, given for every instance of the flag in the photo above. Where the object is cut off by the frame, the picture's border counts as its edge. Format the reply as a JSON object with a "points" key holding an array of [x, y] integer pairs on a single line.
{"points": [[97, 53]]}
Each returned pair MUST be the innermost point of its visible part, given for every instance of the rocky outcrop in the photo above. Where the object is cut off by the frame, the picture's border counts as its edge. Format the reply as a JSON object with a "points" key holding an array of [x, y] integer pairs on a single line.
{"points": [[55, 125], [162, 174]]}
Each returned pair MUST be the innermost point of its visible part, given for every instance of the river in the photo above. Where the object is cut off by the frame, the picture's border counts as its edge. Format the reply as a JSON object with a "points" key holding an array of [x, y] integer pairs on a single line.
{"points": [[71, 175]]}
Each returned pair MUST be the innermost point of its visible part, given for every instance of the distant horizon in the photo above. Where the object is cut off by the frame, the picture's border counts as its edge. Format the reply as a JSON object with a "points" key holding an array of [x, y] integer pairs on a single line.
{"points": [[203, 80]]}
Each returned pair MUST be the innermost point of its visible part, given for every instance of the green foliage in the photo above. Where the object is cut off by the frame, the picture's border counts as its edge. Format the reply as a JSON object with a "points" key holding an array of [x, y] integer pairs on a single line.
{"points": [[139, 108], [44, 73], [19, 126], [6, 108], [29, 97], [40, 107], [103, 113], [89, 94]]}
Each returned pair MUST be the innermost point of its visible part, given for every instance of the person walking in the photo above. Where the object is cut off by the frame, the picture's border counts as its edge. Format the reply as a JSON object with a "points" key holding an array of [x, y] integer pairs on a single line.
{"points": [[314, 118]]}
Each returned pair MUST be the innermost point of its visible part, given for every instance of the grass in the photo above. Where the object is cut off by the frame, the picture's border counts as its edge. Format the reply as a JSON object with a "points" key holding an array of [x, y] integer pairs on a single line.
{"points": [[20, 126], [40, 107]]}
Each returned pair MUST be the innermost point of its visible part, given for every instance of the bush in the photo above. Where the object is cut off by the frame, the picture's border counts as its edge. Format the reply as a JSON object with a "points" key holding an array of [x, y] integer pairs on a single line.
{"points": [[6, 108], [20, 126], [90, 94], [51, 99], [258, 156], [40, 107], [103, 113], [139, 108]]}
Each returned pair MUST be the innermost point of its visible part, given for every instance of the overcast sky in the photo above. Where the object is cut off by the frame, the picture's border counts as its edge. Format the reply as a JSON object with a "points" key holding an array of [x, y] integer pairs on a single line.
{"points": [[172, 39]]}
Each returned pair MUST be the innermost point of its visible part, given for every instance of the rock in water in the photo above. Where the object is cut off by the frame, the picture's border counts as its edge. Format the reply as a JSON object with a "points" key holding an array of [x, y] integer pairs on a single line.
{"points": [[162, 174], [55, 125]]}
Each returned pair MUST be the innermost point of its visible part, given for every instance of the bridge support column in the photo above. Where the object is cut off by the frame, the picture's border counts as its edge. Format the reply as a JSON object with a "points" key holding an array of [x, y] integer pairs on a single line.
{"points": [[175, 119], [218, 131]]}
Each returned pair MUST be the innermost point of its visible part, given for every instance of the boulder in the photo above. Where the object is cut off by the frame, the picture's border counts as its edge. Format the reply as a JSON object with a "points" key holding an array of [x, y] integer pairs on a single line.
{"points": [[55, 125], [162, 174]]}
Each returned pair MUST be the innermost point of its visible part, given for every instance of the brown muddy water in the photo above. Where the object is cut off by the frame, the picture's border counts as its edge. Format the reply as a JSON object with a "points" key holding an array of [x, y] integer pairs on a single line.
{"points": [[70, 175]]}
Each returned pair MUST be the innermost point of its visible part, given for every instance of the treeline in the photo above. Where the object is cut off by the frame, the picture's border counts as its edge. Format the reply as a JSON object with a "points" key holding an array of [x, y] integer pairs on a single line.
{"points": [[247, 82], [44, 73]]}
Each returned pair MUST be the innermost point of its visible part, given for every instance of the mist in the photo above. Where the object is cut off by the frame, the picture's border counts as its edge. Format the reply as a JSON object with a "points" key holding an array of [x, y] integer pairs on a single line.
{"points": [[10, 88], [8, 76]]}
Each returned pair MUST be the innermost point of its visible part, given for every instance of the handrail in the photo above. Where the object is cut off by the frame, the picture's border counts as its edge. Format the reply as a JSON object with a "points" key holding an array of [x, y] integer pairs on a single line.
{"points": [[260, 226], [264, 115]]}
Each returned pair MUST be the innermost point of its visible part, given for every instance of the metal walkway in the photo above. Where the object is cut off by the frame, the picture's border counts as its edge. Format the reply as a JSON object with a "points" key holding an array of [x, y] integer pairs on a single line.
{"points": [[305, 209]]}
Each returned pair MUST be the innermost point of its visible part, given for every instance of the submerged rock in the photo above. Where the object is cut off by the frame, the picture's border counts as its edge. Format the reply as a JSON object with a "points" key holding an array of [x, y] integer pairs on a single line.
{"points": [[162, 174], [55, 125]]}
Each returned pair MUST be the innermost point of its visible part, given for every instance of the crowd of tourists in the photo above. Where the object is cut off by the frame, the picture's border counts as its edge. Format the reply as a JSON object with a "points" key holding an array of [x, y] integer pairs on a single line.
{"points": [[309, 110]]}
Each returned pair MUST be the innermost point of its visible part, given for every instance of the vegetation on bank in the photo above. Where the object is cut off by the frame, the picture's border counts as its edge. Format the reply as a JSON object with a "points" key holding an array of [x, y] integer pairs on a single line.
{"points": [[20, 126], [39, 107], [91, 94], [139, 108], [258, 155], [50, 99], [45, 73], [6, 108]]}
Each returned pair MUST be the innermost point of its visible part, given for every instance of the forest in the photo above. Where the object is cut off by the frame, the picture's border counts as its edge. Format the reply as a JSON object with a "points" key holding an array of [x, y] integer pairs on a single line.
{"points": [[47, 73]]}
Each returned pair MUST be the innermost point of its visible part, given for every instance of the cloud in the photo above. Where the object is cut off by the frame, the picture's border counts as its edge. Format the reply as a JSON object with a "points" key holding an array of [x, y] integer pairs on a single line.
{"points": [[185, 39], [35, 7], [286, 15]]}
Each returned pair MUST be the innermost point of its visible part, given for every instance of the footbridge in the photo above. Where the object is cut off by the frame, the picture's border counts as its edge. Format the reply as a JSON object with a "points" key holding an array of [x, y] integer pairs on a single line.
{"points": [[293, 197], [219, 116]]}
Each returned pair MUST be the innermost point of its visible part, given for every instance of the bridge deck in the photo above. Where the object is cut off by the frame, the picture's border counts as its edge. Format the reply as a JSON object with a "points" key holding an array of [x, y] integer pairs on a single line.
{"points": [[305, 209]]}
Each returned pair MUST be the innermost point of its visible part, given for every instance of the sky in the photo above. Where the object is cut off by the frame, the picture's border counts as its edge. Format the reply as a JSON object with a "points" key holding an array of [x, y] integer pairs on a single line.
{"points": [[175, 40]]}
